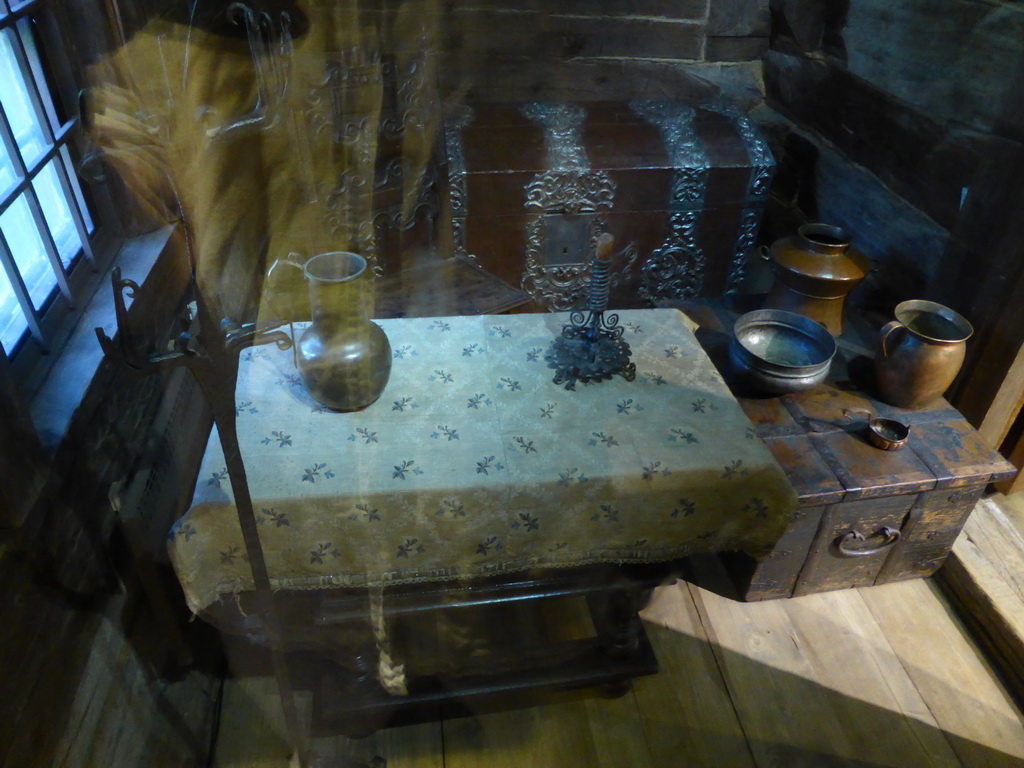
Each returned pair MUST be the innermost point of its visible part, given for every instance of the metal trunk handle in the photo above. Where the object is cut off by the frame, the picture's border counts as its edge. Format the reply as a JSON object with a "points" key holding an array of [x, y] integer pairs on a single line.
{"points": [[890, 536]]}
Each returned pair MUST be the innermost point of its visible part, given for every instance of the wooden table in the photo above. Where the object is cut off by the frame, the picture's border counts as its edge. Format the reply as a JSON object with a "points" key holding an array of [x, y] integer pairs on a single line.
{"points": [[476, 481], [866, 516]]}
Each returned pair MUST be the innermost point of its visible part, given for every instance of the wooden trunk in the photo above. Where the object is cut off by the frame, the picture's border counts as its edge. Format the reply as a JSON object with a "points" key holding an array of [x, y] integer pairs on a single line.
{"points": [[532, 186], [866, 516]]}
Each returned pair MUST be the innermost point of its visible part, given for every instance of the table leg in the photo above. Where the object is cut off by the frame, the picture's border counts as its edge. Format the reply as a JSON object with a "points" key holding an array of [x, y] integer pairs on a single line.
{"points": [[615, 613]]}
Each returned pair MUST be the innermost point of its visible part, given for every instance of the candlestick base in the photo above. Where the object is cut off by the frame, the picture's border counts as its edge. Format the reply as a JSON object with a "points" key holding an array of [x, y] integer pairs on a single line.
{"points": [[590, 349]]}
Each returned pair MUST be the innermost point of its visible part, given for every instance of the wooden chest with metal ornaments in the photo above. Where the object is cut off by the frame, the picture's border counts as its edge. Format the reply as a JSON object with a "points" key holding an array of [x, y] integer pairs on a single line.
{"points": [[866, 516], [530, 188]]}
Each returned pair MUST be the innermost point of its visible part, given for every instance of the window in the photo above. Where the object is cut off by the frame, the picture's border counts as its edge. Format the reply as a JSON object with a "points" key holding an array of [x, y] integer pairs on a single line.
{"points": [[45, 227]]}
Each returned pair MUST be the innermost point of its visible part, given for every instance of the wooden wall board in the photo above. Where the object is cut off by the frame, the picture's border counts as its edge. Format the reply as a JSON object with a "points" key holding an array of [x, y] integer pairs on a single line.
{"points": [[1014, 484], [984, 577], [1005, 405], [980, 277], [682, 9], [1011, 510], [919, 158], [552, 35], [956, 682]]}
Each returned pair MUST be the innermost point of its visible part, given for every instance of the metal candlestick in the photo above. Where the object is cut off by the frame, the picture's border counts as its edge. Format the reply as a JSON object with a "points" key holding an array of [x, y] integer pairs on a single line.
{"points": [[591, 347]]}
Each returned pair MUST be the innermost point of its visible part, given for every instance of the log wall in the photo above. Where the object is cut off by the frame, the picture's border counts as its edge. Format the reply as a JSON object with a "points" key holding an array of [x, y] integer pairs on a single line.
{"points": [[603, 49], [902, 122]]}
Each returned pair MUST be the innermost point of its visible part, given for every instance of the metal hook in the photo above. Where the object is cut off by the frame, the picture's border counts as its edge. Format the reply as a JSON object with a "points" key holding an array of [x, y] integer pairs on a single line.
{"points": [[268, 65]]}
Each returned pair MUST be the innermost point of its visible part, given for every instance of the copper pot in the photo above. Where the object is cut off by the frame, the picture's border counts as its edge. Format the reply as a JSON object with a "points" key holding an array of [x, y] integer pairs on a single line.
{"points": [[814, 271], [920, 353]]}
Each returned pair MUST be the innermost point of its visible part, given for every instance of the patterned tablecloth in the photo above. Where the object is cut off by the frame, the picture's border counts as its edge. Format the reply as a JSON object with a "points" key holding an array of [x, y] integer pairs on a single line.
{"points": [[474, 463]]}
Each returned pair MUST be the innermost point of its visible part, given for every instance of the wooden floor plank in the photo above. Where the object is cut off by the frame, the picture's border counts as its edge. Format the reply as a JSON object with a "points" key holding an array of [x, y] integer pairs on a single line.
{"points": [[687, 714], [850, 656], [408, 746], [883, 676], [584, 728], [787, 718], [253, 734], [617, 732], [811, 684], [955, 681], [534, 737]]}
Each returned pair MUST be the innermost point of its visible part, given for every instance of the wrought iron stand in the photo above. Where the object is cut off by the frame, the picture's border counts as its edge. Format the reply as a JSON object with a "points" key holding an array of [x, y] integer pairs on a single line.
{"points": [[210, 351]]}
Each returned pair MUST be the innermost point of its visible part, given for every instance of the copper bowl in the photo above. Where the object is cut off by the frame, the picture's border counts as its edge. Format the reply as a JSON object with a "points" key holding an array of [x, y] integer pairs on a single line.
{"points": [[780, 352], [888, 434]]}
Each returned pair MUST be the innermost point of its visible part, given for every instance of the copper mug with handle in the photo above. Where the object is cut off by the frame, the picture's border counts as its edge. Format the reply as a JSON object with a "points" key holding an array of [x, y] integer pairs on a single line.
{"points": [[920, 353]]}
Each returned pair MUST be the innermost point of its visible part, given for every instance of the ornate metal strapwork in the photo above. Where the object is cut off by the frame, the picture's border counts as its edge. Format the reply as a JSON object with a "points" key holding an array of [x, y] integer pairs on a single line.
{"points": [[591, 347]]}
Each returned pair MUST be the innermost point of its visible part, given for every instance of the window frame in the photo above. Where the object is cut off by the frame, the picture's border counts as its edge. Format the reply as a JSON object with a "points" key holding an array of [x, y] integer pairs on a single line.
{"points": [[50, 82]]}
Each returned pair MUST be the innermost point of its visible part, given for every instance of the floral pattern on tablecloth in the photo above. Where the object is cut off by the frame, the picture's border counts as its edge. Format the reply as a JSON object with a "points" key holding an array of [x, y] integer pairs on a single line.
{"points": [[473, 462]]}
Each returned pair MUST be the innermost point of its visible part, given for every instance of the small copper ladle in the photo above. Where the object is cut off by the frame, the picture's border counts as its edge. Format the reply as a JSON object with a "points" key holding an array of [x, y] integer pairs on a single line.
{"points": [[887, 434]]}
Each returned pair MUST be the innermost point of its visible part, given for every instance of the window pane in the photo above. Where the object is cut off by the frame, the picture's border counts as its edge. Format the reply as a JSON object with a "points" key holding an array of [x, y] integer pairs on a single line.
{"points": [[17, 105], [27, 248], [57, 213], [12, 320]]}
